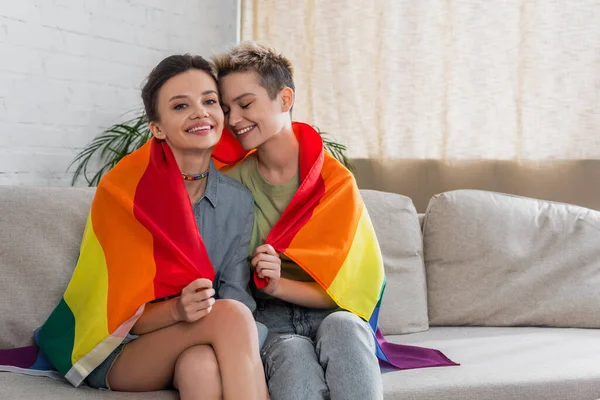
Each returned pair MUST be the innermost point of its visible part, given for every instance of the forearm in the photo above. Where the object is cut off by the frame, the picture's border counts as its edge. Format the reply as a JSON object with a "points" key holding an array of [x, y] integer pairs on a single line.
{"points": [[156, 316], [306, 294]]}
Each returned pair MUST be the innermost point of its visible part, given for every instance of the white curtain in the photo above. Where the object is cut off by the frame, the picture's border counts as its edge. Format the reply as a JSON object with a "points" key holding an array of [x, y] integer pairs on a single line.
{"points": [[513, 80]]}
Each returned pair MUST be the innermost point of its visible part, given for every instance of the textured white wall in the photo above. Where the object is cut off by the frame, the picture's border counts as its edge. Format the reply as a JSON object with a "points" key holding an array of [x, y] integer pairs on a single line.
{"points": [[68, 68]]}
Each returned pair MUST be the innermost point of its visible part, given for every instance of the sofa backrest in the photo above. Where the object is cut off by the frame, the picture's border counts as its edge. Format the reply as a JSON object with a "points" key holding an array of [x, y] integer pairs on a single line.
{"points": [[40, 233], [41, 230], [396, 223], [500, 260]]}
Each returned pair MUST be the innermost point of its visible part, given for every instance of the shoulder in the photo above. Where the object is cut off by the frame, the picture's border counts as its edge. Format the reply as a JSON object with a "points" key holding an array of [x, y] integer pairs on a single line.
{"points": [[242, 170], [229, 184], [230, 191]]}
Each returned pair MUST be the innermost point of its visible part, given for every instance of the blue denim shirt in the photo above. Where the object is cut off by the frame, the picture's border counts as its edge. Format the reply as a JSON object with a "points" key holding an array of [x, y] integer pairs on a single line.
{"points": [[224, 215]]}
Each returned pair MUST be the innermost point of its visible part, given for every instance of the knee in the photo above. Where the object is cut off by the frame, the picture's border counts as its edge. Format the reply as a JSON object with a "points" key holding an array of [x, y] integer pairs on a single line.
{"points": [[287, 353], [197, 366], [233, 312], [344, 336], [344, 326], [294, 348], [232, 320], [343, 321]]}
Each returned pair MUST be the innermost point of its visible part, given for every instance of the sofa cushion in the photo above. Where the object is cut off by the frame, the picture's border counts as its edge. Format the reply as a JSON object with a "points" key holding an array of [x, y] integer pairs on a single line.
{"points": [[16, 386], [39, 244], [501, 260], [502, 364], [404, 306]]}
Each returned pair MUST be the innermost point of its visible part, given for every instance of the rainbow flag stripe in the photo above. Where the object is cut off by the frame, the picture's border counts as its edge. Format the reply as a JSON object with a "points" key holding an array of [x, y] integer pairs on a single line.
{"points": [[140, 243], [327, 231]]}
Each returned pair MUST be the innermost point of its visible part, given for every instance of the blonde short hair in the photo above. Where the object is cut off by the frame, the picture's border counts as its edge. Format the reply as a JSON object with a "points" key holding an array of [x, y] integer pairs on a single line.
{"points": [[274, 70]]}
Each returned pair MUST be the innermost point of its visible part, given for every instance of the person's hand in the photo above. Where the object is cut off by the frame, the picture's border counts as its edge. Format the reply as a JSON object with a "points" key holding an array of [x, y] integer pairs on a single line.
{"points": [[195, 302], [267, 263]]}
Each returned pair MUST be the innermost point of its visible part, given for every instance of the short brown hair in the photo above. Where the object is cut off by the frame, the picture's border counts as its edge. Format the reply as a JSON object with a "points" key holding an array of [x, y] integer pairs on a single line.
{"points": [[274, 70], [165, 70]]}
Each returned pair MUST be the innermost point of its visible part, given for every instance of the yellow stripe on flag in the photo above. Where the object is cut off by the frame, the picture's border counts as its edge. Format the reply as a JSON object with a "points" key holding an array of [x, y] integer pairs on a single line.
{"points": [[89, 309], [357, 285]]}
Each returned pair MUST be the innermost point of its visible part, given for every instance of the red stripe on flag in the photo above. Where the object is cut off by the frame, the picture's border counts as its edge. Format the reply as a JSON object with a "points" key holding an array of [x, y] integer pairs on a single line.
{"points": [[310, 192], [306, 199], [162, 205]]}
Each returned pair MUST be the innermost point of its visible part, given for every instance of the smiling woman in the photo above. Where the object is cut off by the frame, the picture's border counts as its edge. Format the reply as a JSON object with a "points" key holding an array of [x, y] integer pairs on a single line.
{"points": [[313, 248], [182, 341], [159, 296]]}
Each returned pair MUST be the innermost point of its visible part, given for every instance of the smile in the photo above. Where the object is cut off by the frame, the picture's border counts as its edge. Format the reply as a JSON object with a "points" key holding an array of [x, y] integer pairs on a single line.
{"points": [[199, 128], [244, 130]]}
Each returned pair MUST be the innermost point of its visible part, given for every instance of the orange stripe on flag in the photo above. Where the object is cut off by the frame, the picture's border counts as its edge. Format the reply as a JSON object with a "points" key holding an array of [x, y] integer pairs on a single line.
{"points": [[336, 215], [124, 282]]}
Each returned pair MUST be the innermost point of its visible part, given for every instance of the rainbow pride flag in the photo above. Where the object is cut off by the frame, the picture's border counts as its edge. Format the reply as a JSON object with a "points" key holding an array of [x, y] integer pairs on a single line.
{"points": [[140, 243], [327, 231]]}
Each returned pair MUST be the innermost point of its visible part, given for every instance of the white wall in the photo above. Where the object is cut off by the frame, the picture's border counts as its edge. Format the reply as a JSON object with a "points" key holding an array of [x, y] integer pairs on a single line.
{"points": [[68, 68]]}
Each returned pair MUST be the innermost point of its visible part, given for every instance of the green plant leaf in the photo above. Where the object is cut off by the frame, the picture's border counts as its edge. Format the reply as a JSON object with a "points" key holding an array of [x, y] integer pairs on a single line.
{"points": [[337, 150]]}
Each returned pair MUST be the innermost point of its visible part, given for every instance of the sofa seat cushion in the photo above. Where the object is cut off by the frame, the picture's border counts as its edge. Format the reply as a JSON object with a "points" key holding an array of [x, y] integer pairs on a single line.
{"points": [[502, 363], [496, 364], [16, 386]]}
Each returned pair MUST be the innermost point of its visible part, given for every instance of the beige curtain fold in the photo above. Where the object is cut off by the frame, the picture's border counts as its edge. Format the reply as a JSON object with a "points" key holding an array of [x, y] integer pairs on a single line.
{"points": [[433, 95]]}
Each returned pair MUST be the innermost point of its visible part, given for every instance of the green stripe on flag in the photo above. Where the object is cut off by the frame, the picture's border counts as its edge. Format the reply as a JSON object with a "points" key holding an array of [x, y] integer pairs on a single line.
{"points": [[57, 336], [381, 291]]}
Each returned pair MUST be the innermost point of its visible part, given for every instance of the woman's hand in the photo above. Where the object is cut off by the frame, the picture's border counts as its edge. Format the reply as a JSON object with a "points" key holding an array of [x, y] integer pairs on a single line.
{"points": [[195, 302], [267, 263]]}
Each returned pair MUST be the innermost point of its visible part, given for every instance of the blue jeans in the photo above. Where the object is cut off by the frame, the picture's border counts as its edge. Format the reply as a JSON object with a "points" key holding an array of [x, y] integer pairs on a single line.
{"points": [[318, 354], [98, 378]]}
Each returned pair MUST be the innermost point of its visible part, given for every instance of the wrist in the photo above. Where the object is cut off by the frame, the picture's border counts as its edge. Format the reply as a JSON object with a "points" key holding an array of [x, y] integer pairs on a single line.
{"points": [[174, 310], [276, 291]]}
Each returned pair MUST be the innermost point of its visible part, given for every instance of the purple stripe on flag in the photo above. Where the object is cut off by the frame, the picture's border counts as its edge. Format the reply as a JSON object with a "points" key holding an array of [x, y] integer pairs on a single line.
{"points": [[409, 357], [22, 357]]}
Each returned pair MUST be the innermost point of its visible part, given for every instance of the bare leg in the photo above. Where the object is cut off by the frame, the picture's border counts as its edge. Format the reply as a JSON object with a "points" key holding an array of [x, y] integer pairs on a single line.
{"points": [[149, 362], [198, 368]]}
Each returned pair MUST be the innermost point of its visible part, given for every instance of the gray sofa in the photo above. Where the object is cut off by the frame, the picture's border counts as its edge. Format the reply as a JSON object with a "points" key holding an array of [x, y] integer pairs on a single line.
{"points": [[508, 287]]}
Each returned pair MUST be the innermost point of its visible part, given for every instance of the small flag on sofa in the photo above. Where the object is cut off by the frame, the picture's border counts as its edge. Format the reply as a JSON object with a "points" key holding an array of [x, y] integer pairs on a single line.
{"points": [[327, 231], [141, 243]]}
